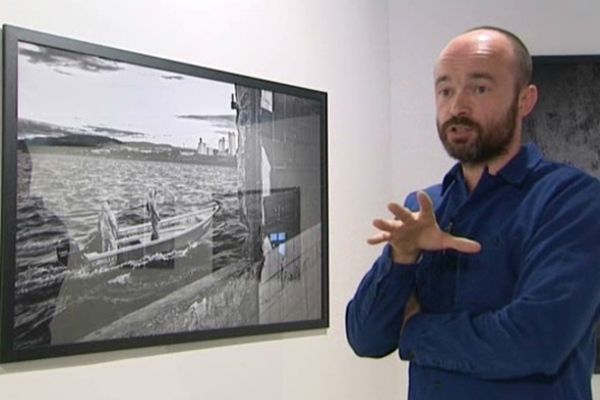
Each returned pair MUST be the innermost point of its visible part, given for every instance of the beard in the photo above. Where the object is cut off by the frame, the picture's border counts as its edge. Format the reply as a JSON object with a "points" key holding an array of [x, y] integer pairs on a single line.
{"points": [[487, 143]]}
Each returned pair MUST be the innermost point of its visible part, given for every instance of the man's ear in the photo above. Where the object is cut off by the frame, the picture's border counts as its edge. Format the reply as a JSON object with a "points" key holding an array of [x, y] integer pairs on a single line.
{"points": [[527, 100]]}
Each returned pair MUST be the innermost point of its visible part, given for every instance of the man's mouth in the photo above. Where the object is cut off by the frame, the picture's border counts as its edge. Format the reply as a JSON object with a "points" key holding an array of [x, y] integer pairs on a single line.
{"points": [[459, 133], [458, 128]]}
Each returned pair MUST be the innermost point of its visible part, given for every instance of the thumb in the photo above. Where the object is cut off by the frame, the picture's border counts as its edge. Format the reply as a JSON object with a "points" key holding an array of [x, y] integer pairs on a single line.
{"points": [[461, 244]]}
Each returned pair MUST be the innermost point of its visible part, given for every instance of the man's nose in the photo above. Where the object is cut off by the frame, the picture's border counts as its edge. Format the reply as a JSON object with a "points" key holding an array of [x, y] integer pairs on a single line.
{"points": [[461, 104]]}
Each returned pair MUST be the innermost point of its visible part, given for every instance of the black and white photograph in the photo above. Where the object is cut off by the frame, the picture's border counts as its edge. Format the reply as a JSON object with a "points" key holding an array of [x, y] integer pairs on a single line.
{"points": [[566, 121], [151, 202]]}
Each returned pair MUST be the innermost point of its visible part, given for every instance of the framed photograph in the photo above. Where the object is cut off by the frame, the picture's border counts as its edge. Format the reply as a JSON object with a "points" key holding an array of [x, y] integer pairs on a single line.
{"points": [[150, 202], [566, 121]]}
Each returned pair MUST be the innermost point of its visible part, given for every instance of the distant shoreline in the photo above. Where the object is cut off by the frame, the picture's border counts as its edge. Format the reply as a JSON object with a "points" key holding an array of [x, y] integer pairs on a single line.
{"points": [[122, 152]]}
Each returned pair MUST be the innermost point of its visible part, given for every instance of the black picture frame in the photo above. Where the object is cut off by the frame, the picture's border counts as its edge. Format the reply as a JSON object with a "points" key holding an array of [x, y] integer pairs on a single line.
{"points": [[565, 122], [149, 202]]}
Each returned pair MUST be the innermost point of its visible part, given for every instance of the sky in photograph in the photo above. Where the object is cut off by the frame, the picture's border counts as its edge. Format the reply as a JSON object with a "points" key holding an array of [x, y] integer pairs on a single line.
{"points": [[121, 100]]}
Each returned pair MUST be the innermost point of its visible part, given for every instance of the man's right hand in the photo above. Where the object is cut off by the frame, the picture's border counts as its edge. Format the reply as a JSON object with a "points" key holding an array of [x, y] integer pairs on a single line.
{"points": [[409, 233]]}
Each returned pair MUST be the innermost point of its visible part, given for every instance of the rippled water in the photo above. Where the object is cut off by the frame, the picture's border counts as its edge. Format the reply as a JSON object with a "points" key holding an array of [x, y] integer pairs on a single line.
{"points": [[59, 304]]}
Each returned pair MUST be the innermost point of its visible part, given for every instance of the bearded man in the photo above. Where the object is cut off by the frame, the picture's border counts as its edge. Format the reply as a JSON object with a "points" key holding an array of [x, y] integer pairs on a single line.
{"points": [[489, 282]]}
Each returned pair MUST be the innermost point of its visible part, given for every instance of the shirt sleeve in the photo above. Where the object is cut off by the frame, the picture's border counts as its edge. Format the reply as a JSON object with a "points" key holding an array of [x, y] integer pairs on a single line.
{"points": [[555, 305], [374, 316]]}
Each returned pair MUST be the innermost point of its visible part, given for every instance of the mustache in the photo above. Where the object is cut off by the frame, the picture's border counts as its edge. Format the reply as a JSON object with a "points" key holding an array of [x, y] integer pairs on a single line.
{"points": [[465, 121]]}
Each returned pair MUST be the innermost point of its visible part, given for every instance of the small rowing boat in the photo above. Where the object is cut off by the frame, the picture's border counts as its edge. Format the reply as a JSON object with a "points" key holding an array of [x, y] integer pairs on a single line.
{"points": [[175, 233]]}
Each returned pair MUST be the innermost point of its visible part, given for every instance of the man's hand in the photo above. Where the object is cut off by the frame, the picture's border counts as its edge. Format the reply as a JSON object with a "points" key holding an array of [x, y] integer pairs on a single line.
{"points": [[409, 233], [412, 308]]}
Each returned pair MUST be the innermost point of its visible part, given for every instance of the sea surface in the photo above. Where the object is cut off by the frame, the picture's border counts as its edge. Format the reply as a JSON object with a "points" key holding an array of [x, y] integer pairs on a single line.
{"points": [[59, 198]]}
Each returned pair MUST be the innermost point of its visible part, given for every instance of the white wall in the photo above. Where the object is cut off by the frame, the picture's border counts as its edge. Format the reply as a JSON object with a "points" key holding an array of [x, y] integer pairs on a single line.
{"points": [[337, 46], [419, 31]]}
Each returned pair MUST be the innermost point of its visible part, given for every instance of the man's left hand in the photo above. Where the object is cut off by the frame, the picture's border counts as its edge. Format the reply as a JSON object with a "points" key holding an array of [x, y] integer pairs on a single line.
{"points": [[412, 308]]}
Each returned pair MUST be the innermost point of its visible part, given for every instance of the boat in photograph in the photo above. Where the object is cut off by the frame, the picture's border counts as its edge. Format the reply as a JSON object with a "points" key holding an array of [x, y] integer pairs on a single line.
{"points": [[134, 242], [112, 284]]}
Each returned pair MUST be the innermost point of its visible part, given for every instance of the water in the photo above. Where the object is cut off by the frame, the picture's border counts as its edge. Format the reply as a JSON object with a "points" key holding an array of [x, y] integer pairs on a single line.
{"points": [[59, 304]]}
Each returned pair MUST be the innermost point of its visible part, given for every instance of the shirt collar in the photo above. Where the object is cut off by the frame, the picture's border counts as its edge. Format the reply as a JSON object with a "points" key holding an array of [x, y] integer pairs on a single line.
{"points": [[514, 172]]}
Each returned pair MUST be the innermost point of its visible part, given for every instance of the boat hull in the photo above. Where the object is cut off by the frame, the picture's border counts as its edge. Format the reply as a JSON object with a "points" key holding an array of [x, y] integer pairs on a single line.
{"points": [[135, 243]]}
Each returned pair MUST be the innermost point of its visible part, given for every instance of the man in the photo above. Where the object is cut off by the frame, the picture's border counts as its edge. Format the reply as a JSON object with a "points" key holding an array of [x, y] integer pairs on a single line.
{"points": [[107, 227], [153, 214], [510, 312]]}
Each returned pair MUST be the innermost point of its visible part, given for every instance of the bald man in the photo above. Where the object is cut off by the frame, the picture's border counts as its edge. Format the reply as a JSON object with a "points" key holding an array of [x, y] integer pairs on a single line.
{"points": [[489, 282]]}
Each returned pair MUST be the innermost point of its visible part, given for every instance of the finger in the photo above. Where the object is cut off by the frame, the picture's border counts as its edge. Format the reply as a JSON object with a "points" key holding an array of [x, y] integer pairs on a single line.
{"points": [[425, 203], [385, 224], [460, 244], [378, 238], [401, 213]]}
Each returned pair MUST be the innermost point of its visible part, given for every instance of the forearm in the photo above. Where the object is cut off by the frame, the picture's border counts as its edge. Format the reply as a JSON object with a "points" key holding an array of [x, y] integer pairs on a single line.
{"points": [[374, 316], [534, 334]]}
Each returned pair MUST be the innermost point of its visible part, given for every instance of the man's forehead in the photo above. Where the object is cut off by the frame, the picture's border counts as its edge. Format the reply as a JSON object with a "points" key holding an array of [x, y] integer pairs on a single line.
{"points": [[475, 76], [475, 41], [473, 52], [463, 68], [480, 42]]}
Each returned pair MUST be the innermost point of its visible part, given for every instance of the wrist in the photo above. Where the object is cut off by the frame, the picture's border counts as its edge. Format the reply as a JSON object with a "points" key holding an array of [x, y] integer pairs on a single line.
{"points": [[400, 256]]}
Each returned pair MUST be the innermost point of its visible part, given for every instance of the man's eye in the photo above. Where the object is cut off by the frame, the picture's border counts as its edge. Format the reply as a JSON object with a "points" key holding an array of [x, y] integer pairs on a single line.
{"points": [[445, 92], [481, 89]]}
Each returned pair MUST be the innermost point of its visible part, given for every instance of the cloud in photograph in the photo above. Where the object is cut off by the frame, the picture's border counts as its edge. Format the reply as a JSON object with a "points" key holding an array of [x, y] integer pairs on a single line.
{"points": [[114, 132], [223, 121], [173, 77], [40, 128], [59, 59]]}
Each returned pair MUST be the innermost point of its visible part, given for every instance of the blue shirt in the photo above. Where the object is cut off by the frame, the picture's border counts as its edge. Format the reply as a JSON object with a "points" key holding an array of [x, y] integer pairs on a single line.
{"points": [[514, 321]]}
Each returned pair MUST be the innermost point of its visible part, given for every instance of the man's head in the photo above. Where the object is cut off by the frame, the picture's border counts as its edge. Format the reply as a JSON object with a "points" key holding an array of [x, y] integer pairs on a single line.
{"points": [[482, 94]]}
